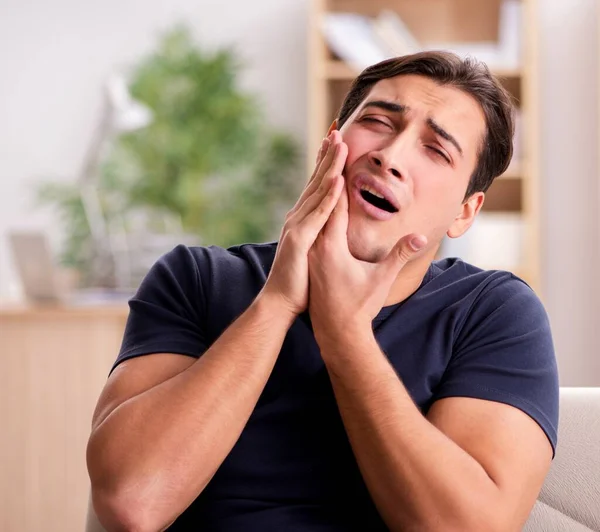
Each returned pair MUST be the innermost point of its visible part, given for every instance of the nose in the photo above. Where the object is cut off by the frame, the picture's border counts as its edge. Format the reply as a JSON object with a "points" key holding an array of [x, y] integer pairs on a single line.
{"points": [[384, 163], [391, 157]]}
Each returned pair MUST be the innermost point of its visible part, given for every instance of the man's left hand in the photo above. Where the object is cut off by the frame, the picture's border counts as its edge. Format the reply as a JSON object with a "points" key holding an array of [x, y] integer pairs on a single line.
{"points": [[347, 293]]}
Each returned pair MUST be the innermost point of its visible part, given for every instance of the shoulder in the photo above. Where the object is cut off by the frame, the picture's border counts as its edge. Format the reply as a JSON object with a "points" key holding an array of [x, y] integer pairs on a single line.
{"points": [[202, 257], [493, 310], [482, 292], [226, 279], [216, 273], [503, 348], [190, 295], [455, 272], [204, 266]]}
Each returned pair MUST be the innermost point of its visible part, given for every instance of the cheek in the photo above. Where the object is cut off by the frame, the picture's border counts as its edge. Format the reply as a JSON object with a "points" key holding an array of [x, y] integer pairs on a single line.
{"points": [[437, 199], [435, 184], [359, 143]]}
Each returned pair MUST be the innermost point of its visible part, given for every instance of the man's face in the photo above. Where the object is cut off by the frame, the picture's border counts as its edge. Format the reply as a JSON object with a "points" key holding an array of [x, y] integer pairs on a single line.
{"points": [[415, 143]]}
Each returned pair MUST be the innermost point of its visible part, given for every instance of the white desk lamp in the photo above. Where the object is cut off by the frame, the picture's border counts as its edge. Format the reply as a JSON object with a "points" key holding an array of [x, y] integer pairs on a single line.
{"points": [[120, 114]]}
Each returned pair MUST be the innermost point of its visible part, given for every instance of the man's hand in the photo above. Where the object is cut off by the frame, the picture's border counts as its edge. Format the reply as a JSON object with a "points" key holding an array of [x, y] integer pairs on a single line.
{"points": [[346, 292], [288, 279]]}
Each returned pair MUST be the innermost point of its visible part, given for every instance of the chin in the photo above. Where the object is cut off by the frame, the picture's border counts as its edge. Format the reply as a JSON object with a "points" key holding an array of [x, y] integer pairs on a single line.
{"points": [[367, 238], [366, 249]]}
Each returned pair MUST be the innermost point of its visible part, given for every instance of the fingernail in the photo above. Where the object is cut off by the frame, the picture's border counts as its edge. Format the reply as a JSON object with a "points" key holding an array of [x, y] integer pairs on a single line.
{"points": [[418, 242], [324, 144]]}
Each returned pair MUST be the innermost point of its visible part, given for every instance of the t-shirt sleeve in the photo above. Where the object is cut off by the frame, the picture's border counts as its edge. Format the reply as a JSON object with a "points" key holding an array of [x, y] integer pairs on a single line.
{"points": [[168, 312], [505, 353]]}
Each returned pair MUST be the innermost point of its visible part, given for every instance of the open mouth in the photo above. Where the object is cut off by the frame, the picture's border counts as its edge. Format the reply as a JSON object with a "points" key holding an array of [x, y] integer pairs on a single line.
{"points": [[377, 200]]}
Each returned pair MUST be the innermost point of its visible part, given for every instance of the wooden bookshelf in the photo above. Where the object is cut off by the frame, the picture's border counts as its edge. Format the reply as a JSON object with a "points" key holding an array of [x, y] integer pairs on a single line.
{"points": [[446, 21], [335, 69]]}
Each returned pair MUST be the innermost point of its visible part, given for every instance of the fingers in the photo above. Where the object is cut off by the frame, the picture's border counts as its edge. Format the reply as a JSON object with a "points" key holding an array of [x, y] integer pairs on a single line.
{"points": [[327, 155], [321, 154], [312, 224], [339, 156], [337, 225], [405, 250], [340, 151], [324, 160]]}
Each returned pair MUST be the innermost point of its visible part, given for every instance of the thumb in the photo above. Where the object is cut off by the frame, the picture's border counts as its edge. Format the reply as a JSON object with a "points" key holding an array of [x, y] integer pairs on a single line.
{"points": [[406, 248]]}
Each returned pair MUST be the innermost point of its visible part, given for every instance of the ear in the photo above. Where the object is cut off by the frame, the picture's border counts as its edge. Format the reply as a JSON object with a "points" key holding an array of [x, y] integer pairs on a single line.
{"points": [[466, 216]]}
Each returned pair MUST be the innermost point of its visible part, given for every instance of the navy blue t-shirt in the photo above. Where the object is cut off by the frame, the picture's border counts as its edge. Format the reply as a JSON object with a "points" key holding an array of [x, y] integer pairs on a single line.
{"points": [[465, 332]]}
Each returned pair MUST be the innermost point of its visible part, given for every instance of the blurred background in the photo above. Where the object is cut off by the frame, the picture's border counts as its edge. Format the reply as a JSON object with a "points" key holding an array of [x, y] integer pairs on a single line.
{"points": [[129, 127]]}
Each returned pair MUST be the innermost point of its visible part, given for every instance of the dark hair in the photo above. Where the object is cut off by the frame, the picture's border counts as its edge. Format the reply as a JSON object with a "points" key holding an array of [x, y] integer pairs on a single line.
{"points": [[469, 75]]}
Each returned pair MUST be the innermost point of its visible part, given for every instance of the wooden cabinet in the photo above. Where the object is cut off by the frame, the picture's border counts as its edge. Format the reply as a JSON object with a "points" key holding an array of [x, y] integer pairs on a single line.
{"points": [[449, 21], [55, 362]]}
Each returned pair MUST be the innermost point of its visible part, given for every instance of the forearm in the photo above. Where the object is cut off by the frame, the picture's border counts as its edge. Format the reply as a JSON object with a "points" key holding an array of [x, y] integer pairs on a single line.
{"points": [[418, 477], [161, 448]]}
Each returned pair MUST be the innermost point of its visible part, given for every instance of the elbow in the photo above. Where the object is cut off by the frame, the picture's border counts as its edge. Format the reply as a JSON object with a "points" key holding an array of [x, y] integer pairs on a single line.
{"points": [[120, 508], [116, 504], [120, 514], [493, 519], [467, 521], [476, 521]]}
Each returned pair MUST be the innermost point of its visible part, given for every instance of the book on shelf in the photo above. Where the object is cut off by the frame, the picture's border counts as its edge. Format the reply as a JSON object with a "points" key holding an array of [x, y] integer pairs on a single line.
{"points": [[394, 34], [351, 38], [509, 33], [503, 54], [361, 41]]}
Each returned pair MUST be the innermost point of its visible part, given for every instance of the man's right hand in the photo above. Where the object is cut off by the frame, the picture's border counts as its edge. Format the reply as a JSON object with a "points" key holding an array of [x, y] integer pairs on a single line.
{"points": [[288, 279]]}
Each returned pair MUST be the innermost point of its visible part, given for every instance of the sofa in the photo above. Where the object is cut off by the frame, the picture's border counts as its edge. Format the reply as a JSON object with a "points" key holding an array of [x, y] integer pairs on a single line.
{"points": [[570, 498]]}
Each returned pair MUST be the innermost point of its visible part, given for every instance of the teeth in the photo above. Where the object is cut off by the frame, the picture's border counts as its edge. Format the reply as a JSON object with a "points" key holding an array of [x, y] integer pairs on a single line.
{"points": [[371, 191]]}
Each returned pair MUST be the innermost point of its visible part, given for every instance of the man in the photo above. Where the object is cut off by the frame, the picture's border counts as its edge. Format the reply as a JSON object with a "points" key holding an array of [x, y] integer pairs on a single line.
{"points": [[342, 379]]}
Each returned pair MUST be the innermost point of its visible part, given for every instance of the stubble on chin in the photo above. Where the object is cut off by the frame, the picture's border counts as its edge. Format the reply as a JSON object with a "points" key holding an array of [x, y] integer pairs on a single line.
{"points": [[365, 251]]}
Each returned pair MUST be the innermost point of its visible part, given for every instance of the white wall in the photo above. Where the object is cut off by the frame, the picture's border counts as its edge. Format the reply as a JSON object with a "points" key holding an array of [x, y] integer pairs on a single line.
{"points": [[54, 55], [569, 62]]}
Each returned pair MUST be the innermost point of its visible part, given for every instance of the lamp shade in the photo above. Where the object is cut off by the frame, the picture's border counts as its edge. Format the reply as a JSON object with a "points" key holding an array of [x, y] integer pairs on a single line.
{"points": [[127, 113]]}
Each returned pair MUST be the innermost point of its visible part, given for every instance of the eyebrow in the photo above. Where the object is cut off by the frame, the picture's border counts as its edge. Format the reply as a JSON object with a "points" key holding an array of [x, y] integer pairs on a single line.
{"points": [[439, 130], [388, 106], [394, 107]]}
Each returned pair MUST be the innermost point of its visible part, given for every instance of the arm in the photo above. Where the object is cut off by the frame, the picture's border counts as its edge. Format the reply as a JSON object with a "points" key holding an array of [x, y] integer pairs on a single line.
{"points": [[150, 456], [165, 423], [461, 468]]}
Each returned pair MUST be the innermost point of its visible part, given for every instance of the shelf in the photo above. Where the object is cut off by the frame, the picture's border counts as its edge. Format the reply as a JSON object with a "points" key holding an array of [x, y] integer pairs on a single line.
{"points": [[432, 20], [505, 195], [514, 171], [336, 70], [62, 311], [507, 73]]}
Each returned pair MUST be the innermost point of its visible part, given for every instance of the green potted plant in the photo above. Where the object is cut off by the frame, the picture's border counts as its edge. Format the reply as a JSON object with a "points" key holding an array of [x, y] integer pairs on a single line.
{"points": [[207, 168]]}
